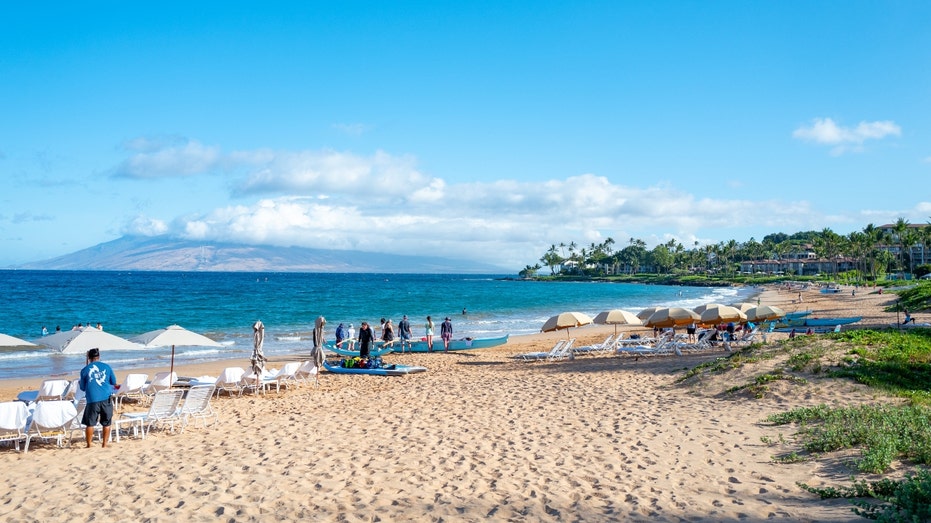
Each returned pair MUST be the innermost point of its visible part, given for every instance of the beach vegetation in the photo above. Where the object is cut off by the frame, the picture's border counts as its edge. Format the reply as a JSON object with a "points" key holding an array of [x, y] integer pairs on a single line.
{"points": [[884, 433], [760, 384], [906, 500]]}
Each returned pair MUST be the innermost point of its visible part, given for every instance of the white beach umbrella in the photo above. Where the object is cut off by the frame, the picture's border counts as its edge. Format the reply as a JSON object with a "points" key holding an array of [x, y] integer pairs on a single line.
{"points": [[174, 335], [79, 341], [11, 341], [617, 317], [566, 320]]}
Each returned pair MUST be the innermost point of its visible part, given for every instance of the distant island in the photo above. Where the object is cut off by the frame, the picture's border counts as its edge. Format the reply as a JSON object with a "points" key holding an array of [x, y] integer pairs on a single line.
{"points": [[161, 253]]}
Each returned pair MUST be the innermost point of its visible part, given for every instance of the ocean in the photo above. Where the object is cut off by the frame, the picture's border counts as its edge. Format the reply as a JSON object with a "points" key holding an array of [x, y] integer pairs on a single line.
{"points": [[223, 306]]}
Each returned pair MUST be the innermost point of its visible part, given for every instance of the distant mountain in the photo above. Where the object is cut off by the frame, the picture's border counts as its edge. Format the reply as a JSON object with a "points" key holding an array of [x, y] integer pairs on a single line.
{"points": [[163, 254]]}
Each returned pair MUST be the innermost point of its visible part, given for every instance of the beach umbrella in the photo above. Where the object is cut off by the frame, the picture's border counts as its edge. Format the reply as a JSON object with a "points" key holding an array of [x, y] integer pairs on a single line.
{"points": [[174, 335], [722, 314], [617, 317], [10, 341], [566, 320], [79, 341], [765, 312], [671, 317], [743, 306], [645, 314], [702, 308], [317, 352]]}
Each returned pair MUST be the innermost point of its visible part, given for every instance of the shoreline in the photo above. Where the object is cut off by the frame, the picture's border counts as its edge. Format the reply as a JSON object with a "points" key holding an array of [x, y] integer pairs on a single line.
{"points": [[479, 436]]}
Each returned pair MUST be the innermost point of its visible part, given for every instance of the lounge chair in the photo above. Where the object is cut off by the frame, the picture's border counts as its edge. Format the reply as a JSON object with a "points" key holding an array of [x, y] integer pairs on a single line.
{"points": [[161, 381], [308, 372], [133, 386], [285, 376], [598, 348], [197, 405], [562, 349], [163, 410], [49, 390], [230, 380], [51, 419], [14, 417]]}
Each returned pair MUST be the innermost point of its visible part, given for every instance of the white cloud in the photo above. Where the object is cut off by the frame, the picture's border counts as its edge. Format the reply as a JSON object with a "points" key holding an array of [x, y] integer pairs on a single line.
{"points": [[825, 131], [506, 222], [171, 158], [353, 129], [145, 226]]}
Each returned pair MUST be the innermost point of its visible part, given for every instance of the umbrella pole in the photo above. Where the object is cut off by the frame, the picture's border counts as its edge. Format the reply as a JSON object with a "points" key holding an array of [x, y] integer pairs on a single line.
{"points": [[171, 368]]}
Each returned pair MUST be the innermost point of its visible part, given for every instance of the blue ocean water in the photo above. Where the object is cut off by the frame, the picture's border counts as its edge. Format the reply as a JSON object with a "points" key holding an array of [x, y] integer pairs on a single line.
{"points": [[224, 306]]}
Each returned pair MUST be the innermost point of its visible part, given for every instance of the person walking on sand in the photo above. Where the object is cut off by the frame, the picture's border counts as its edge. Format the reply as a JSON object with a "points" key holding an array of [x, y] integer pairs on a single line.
{"points": [[351, 340], [387, 334], [366, 338], [404, 332], [446, 333], [428, 333], [97, 381]]}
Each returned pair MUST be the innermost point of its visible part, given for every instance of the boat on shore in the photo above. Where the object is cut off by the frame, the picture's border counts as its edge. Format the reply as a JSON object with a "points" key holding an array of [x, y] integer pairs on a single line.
{"points": [[454, 345], [374, 353], [797, 314], [821, 322], [387, 370]]}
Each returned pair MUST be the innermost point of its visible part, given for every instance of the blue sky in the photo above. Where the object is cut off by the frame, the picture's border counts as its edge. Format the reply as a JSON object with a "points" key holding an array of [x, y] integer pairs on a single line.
{"points": [[476, 130]]}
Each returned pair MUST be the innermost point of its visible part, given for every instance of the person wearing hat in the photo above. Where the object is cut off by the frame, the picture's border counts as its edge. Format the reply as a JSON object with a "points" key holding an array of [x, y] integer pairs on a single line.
{"points": [[97, 381], [446, 333]]}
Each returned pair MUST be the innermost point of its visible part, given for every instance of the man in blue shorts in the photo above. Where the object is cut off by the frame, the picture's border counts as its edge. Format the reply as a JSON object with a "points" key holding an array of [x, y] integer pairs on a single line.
{"points": [[404, 332], [97, 381]]}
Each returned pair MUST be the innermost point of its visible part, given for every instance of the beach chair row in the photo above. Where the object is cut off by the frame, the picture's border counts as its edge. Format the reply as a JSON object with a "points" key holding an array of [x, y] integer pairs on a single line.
{"points": [[58, 420], [235, 380]]}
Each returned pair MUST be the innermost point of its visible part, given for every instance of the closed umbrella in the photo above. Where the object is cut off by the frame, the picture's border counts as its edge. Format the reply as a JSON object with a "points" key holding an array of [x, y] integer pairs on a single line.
{"points": [[566, 320], [174, 335], [11, 341], [81, 340], [317, 352], [722, 314], [765, 313], [671, 317], [258, 354], [617, 317]]}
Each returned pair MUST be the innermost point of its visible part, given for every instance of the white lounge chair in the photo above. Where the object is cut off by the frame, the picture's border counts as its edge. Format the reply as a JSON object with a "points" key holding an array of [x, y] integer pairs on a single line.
{"points": [[49, 390], [597, 348], [161, 381], [51, 419], [285, 376], [197, 405], [133, 386], [562, 349], [308, 372], [164, 409], [230, 380], [14, 417]]}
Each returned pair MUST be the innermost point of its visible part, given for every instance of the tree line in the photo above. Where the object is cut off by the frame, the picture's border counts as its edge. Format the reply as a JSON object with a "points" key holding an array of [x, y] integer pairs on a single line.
{"points": [[874, 251]]}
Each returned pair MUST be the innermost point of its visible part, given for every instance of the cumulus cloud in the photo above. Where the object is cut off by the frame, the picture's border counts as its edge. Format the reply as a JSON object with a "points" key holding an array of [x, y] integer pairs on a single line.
{"points": [[825, 131], [145, 226], [506, 222]]}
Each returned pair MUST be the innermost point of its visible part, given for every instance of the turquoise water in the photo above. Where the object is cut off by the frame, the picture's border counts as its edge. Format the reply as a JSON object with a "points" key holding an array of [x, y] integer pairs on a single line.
{"points": [[224, 306]]}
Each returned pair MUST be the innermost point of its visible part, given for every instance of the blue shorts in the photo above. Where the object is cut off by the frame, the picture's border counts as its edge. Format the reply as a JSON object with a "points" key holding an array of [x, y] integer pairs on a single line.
{"points": [[98, 411], [405, 337]]}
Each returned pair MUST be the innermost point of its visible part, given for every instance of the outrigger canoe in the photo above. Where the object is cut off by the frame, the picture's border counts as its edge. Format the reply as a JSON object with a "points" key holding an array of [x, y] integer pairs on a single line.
{"points": [[354, 353], [462, 344], [388, 370], [822, 322]]}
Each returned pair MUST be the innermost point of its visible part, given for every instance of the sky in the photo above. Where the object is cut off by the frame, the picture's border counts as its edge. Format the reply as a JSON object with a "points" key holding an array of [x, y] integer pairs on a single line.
{"points": [[484, 130]]}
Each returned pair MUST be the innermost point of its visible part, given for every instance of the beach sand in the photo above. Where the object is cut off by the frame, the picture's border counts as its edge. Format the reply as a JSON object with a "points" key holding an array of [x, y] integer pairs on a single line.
{"points": [[479, 436]]}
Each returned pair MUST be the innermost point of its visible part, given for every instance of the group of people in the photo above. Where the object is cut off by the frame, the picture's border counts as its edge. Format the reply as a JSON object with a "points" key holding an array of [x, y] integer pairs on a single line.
{"points": [[347, 337]]}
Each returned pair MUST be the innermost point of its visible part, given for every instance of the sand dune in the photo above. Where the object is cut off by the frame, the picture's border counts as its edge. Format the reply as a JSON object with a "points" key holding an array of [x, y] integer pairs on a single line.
{"points": [[480, 436]]}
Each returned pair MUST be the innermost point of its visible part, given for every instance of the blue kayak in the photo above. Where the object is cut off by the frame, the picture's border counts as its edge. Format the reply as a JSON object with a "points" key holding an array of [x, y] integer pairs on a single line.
{"points": [[388, 370]]}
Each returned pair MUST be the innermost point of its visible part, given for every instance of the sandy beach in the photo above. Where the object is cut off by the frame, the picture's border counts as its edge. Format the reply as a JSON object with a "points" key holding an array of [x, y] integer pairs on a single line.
{"points": [[479, 436]]}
